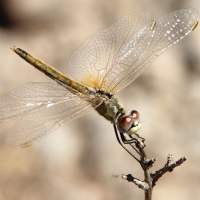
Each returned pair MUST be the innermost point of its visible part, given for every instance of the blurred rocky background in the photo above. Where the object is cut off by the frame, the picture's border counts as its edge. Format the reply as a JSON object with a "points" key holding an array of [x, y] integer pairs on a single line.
{"points": [[78, 160]]}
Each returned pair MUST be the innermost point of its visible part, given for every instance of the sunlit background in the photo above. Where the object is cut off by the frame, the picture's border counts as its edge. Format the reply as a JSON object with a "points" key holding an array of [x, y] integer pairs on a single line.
{"points": [[78, 160]]}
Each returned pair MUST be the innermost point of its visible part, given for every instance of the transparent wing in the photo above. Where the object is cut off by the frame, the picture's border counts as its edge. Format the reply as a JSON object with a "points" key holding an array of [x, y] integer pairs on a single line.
{"points": [[91, 63], [169, 29], [43, 107], [117, 55], [30, 97], [40, 123]]}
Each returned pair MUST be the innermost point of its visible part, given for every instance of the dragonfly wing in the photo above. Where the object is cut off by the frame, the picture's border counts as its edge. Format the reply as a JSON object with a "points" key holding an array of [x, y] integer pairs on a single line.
{"points": [[30, 97], [137, 55], [46, 119], [117, 55], [92, 62]]}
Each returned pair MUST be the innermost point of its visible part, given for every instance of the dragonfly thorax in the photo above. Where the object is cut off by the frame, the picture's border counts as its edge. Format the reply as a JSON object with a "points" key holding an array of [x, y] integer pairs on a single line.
{"points": [[109, 107]]}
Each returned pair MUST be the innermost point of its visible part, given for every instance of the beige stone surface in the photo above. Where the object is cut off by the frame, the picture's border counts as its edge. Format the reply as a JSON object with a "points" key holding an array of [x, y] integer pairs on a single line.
{"points": [[78, 160]]}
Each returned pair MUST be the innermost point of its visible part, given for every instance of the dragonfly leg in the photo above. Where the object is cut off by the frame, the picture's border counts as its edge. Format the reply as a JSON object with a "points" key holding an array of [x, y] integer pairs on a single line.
{"points": [[137, 136], [122, 143], [125, 141]]}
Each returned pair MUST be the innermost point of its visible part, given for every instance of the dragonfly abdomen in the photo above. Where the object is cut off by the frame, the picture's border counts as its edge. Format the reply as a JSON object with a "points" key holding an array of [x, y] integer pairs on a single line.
{"points": [[49, 70]]}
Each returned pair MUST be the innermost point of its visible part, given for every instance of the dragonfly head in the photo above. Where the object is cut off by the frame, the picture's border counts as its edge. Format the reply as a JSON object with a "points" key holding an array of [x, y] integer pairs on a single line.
{"points": [[130, 123]]}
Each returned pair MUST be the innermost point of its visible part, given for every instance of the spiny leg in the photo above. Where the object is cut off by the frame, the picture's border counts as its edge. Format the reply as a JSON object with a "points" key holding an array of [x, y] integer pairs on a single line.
{"points": [[130, 142], [125, 141], [137, 136], [122, 137]]}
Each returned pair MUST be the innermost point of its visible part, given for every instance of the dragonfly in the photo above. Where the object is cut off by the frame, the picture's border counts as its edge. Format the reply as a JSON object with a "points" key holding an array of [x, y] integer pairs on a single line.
{"points": [[102, 65]]}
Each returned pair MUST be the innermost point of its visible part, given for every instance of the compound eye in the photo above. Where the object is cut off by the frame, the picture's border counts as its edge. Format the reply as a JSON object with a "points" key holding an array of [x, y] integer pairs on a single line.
{"points": [[135, 114], [124, 123]]}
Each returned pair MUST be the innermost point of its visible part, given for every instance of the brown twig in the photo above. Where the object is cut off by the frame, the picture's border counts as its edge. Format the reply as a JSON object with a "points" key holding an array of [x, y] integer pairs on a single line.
{"points": [[150, 178], [167, 168]]}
